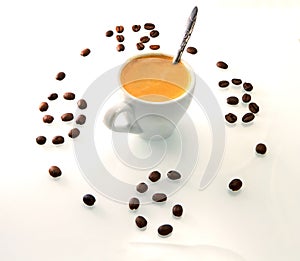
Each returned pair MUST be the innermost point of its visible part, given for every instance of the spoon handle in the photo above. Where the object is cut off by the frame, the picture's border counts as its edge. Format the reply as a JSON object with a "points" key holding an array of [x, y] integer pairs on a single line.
{"points": [[187, 35]]}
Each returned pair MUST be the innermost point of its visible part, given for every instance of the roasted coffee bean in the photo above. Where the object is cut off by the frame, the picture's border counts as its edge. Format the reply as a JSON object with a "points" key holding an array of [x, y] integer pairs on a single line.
{"points": [[232, 100], [144, 39], [43, 106], [246, 98], [134, 203], [120, 29], [136, 27], [140, 46], [253, 107], [223, 84], [231, 118], [177, 210], [52, 96], [154, 176], [222, 65], [120, 38], [165, 230], [41, 140], [154, 33], [48, 119], [82, 104], [142, 187], [54, 171], [173, 175], [149, 26], [58, 140], [247, 86], [120, 47], [191, 50], [159, 197], [89, 200], [74, 133], [67, 116], [248, 117], [154, 46], [236, 81], [109, 33], [85, 52], [81, 119], [69, 96], [261, 148], [235, 184], [141, 222], [60, 76]]}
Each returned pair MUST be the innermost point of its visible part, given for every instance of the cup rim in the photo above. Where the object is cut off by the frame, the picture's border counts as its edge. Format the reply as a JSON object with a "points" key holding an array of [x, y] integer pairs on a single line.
{"points": [[189, 90]]}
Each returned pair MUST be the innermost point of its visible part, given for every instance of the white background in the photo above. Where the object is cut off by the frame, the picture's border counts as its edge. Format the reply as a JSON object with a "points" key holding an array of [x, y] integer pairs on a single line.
{"points": [[44, 219]]}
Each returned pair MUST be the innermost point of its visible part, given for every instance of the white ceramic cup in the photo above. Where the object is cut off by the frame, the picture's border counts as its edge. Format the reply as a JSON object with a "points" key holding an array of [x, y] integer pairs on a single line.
{"points": [[148, 118]]}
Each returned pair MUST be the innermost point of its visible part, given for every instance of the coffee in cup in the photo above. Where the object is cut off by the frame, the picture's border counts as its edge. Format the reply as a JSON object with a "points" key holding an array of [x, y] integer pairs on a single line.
{"points": [[156, 92], [154, 78]]}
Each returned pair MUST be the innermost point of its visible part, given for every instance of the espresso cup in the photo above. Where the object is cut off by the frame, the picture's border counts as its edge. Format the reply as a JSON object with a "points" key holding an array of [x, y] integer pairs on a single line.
{"points": [[156, 94]]}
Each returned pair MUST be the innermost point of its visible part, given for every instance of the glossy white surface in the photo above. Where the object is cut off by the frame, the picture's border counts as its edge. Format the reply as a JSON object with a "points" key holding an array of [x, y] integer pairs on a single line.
{"points": [[44, 219]]}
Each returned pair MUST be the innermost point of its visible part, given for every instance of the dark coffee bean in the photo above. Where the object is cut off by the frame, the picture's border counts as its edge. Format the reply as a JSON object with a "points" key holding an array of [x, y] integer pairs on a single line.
{"points": [[60, 76], [89, 200], [159, 197], [81, 119], [74, 133], [43, 106], [154, 46], [236, 81], [82, 104], [142, 187], [253, 107], [67, 116], [136, 28], [231, 118], [165, 230], [247, 86], [41, 140], [223, 84], [141, 222], [149, 26], [134, 203], [109, 33], [85, 52], [222, 65], [173, 175], [48, 119], [69, 96], [140, 46], [52, 96], [144, 39], [120, 38], [120, 47], [235, 184], [248, 117], [246, 97], [177, 210], [154, 176], [58, 140], [154, 33], [261, 148], [54, 171], [120, 29], [191, 50], [232, 100]]}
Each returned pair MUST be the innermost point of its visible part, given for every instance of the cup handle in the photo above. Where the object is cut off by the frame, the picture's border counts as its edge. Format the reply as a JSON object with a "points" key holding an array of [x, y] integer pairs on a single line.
{"points": [[112, 114]]}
